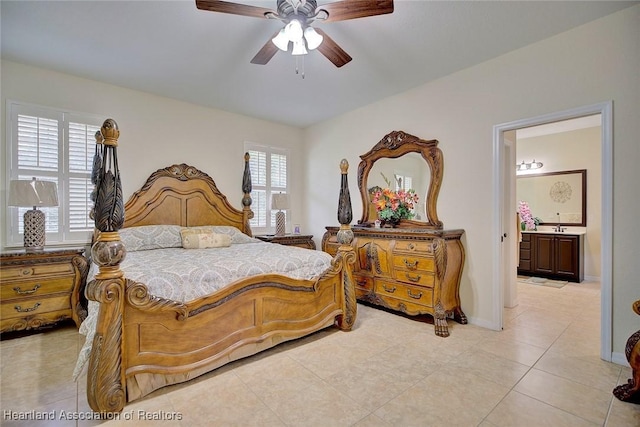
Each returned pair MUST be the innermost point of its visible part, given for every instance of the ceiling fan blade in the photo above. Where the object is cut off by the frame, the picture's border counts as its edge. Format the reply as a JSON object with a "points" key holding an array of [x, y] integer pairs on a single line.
{"points": [[332, 51], [267, 52], [352, 9], [232, 8]]}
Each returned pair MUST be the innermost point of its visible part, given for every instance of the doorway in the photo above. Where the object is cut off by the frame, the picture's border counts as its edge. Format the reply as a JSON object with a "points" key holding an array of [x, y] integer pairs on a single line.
{"points": [[505, 244]]}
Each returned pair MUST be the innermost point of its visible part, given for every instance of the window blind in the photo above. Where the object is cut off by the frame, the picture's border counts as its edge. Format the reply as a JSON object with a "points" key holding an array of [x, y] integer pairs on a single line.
{"points": [[268, 167], [53, 145]]}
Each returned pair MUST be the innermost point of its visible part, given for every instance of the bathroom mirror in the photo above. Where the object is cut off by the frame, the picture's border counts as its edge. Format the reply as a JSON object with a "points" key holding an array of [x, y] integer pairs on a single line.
{"points": [[556, 197], [407, 162]]}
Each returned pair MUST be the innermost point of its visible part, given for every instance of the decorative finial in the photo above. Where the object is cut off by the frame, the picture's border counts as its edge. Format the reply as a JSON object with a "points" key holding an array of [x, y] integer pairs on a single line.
{"points": [[344, 166], [110, 132]]}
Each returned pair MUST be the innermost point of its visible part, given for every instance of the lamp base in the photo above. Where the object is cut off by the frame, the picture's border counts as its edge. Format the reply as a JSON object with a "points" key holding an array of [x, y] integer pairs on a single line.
{"points": [[280, 223], [34, 230]]}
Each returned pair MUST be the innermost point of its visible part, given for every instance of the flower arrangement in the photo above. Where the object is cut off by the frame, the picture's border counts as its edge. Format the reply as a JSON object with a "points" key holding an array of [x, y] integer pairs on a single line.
{"points": [[392, 206], [528, 221]]}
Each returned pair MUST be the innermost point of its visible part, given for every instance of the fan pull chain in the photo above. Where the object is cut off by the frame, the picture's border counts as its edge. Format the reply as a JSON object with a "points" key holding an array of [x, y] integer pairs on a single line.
{"points": [[302, 67]]}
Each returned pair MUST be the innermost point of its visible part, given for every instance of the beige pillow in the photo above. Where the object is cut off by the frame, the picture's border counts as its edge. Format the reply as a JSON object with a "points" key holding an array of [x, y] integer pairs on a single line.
{"points": [[193, 238]]}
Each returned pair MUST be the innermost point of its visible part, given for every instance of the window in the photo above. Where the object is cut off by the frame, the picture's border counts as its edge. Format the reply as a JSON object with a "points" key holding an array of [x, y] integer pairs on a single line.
{"points": [[268, 176], [58, 146], [403, 182]]}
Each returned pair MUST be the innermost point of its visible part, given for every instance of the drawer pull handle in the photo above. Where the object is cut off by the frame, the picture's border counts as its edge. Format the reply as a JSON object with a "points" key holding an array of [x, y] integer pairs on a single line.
{"points": [[390, 290], [414, 296], [411, 265], [27, 310], [31, 291], [362, 283], [413, 278], [412, 246], [26, 272]]}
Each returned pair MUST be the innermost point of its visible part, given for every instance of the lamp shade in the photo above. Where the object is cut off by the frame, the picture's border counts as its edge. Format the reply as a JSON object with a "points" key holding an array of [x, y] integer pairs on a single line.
{"points": [[27, 193], [298, 48], [280, 201], [281, 40], [313, 38]]}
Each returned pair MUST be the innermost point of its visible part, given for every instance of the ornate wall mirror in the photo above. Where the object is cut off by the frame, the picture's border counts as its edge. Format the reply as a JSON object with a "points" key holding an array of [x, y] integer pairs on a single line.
{"points": [[556, 197], [403, 161]]}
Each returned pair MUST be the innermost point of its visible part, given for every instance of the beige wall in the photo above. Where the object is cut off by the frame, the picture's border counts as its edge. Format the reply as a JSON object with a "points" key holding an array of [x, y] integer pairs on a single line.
{"points": [[578, 149], [155, 132], [593, 63]]}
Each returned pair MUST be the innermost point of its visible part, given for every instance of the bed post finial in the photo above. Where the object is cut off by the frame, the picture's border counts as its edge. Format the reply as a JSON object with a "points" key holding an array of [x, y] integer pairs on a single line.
{"points": [[105, 377], [346, 252], [345, 215], [246, 199]]}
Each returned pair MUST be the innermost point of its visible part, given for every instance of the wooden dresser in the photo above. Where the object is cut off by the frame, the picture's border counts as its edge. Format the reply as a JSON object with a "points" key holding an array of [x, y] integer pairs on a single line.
{"points": [[41, 288], [300, 240], [416, 266], [415, 271]]}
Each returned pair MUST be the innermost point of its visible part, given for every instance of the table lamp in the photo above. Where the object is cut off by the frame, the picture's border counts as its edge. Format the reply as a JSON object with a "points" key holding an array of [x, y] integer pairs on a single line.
{"points": [[36, 194], [280, 202]]}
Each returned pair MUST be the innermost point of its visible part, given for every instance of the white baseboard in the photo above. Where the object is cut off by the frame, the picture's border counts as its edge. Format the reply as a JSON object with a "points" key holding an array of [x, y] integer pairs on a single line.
{"points": [[619, 359], [592, 278], [484, 323]]}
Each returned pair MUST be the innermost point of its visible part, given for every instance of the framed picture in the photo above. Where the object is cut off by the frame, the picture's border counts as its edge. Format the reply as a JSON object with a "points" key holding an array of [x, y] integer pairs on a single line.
{"points": [[296, 228]]}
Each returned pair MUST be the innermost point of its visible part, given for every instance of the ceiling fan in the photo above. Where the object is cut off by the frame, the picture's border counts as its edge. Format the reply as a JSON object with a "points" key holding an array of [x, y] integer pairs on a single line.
{"points": [[297, 15]]}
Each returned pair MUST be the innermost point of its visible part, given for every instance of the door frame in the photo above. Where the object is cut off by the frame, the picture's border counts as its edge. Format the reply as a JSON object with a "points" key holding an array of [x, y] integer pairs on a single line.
{"points": [[501, 226]]}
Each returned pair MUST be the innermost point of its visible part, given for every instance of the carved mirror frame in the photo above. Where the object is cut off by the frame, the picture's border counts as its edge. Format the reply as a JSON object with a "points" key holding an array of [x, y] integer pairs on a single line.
{"points": [[394, 145]]}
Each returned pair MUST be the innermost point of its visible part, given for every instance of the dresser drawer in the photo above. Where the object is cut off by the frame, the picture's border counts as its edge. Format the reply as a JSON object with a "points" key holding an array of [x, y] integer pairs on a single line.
{"points": [[404, 292], [414, 246], [8, 274], [413, 263], [415, 277], [363, 282], [35, 288], [31, 306]]}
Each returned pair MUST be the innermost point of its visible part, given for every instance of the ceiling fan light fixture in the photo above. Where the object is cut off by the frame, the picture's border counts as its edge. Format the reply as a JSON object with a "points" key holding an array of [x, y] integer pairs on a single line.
{"points": [[298, 48], [313, 38], [281, 40], [293, 30]]}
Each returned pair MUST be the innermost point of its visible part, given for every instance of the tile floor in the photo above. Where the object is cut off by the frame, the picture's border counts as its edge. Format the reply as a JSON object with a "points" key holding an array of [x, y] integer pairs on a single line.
{"points": [[542, 370]]}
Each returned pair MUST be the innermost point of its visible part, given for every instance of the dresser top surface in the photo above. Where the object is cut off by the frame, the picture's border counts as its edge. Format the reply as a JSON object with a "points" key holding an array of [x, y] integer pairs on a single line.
{"points": [[402, 232], [47, 252]]}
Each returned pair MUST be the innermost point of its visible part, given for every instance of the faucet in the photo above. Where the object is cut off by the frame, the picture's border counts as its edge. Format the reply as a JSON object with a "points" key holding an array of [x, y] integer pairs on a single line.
{"points": [[558, 228]]}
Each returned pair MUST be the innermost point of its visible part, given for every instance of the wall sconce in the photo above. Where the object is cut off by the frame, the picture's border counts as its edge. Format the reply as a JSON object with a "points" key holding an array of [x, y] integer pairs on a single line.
{"points": [[35, 194], [528, 166], [280, 202]]}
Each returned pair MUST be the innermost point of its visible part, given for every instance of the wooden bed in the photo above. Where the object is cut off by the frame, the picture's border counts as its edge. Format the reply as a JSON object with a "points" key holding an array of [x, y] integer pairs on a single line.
{"points": [[143, 342]]}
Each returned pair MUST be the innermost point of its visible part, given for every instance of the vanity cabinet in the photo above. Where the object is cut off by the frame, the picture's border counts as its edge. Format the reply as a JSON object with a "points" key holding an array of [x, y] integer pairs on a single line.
{"points": [[553, 255], [413, 271]]}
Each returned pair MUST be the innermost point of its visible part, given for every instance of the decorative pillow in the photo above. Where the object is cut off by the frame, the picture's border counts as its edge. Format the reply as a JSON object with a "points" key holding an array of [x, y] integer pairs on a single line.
{"points": [[196, 238], [148, 237], [236, 235]]}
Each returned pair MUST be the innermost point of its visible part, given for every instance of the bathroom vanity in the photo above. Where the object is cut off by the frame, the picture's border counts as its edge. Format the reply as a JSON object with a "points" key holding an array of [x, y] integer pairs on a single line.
{"points": [[554, 255]]}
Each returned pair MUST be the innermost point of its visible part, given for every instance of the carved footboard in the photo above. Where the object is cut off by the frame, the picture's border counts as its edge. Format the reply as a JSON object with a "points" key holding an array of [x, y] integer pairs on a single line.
{"points": [[143, 342]]}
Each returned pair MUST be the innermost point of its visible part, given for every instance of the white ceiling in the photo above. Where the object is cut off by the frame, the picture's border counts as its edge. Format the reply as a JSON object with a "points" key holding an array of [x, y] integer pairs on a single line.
{"points": [[172, 49]]}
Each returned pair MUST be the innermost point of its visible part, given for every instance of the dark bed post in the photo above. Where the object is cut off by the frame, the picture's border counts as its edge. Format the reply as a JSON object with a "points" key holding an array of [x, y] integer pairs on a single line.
{"points": [[346, 252], [247, 213], [105, 377]]}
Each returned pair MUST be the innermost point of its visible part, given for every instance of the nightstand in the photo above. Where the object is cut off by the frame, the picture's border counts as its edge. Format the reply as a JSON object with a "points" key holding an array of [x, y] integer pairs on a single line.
{"points": [[41, 288], [300, 240]]}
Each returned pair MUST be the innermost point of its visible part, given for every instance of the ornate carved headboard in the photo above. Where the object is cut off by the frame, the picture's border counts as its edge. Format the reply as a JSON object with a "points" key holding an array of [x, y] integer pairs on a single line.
{"points": [[184, 195]]}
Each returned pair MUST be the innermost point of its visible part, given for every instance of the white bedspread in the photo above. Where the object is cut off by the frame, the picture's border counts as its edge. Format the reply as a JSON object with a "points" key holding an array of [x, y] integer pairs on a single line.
{"points": [[187, 274]]}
